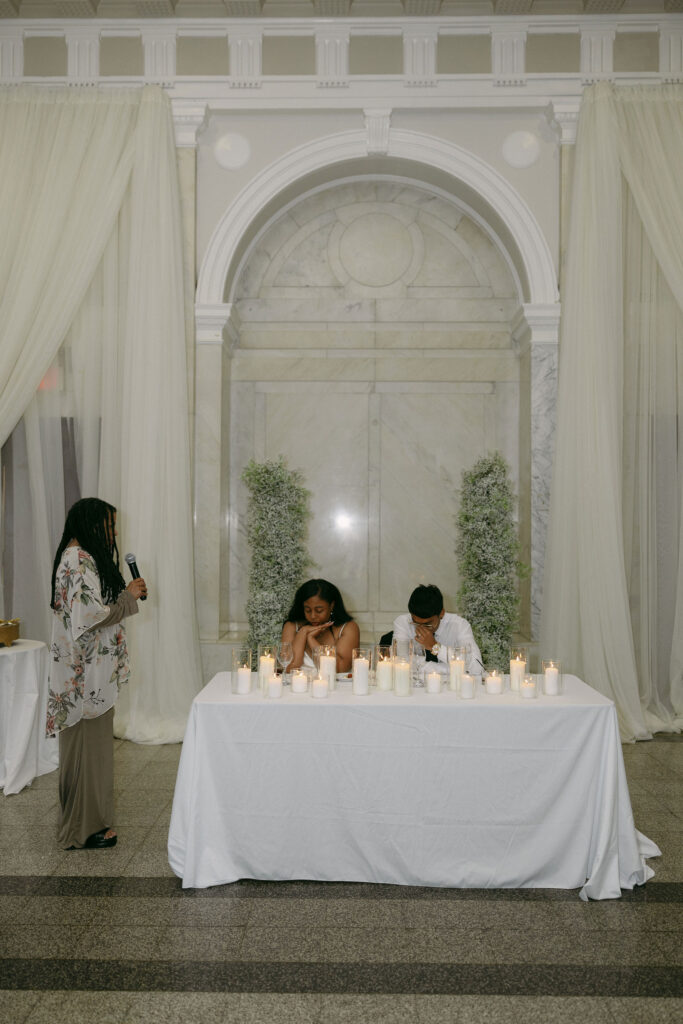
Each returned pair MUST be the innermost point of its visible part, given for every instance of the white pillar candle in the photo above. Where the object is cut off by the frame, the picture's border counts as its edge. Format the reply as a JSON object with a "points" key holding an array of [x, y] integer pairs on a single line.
{"points": [[275, 686], [401, 677], [266, 668], [467, 686], [320, 687], [361, 677], [384, 674], [455, 673], [494, 683], [328, 669], [517, 670], [433, 682], [527, 688], [299, 681], [243, 679], [551, 681]]}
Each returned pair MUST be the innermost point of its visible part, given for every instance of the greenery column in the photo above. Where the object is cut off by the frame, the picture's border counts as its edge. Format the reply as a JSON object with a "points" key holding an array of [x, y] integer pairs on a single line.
{"points": [[277, 520], [487, 550]]}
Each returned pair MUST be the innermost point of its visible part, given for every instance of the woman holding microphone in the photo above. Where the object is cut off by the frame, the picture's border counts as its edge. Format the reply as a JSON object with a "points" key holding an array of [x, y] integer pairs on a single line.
{"points": [[88, 666]]}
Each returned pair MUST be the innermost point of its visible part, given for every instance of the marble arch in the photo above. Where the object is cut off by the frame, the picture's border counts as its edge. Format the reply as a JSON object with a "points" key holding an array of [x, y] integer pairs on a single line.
{"points": [[423, 158]]}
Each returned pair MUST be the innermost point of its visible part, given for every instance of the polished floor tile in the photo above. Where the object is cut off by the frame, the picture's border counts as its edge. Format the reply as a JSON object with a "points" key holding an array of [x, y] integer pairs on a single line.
{"points": [[111, 936]]}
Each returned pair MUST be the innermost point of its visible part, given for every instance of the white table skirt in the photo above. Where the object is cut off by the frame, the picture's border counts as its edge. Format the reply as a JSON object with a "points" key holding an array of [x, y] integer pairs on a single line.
{"points": [[25, 751], [494, 792]]}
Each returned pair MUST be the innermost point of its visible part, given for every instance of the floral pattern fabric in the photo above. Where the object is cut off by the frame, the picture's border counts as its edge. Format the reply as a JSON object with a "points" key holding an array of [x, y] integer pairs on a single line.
{"points": [[88, 665]]}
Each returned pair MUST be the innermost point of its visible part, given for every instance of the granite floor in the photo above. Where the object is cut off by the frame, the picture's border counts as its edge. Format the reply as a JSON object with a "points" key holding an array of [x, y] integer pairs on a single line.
{"points": [[110, 937]]}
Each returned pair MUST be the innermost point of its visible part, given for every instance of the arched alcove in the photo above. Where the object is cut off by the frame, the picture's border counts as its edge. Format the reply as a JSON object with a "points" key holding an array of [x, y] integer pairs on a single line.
{"points": [[436, 162], [375, 354], [297, 385]]}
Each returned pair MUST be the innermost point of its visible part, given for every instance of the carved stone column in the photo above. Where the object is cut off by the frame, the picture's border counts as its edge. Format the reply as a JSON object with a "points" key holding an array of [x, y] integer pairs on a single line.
{"points": [[216, 333], [535, 334]]}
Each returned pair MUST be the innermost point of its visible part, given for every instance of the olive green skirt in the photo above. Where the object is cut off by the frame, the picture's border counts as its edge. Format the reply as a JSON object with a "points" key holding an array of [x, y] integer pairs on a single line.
{"points": [[86, 779]]}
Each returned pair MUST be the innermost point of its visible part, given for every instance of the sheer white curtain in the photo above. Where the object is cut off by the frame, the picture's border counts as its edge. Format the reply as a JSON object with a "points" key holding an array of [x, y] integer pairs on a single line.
{"points": [[65, 162], [114, 401], [613, 594]]}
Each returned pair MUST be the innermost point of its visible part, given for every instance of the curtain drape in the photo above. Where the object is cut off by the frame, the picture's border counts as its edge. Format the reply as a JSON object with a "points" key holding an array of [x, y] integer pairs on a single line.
{"points": [[613, 589], [108, 411], [65, 162]]}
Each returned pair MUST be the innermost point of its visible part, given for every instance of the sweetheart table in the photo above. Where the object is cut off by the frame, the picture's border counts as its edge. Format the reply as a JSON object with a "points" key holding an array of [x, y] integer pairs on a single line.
{"points": [[431, 790]]}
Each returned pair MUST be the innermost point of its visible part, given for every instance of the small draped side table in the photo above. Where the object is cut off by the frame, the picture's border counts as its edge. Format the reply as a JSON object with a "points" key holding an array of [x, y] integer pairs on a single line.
{"points": [[25, 751]]}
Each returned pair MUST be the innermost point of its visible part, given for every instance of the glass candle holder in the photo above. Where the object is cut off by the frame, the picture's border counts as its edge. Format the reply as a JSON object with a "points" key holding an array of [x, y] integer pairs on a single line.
{"points": [[274, 688], [433, 680], [494, 682], [384, 668], [360, 671], [241, 670], [319, 688], [267, 658], [299, 681], [326, 661], [552, 677], [528, 688], [518, 667], [468, 687], [404, 667], [457, 663], [403, 678]]}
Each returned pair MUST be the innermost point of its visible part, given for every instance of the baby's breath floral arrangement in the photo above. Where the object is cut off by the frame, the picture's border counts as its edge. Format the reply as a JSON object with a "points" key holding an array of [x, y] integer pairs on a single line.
{"points": [[487, 550], [277, 519]]}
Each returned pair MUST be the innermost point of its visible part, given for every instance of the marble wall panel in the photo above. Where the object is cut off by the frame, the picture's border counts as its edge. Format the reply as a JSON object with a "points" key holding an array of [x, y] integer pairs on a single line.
{"points": [[426, 442], [445, 310], [444, 266], [322, 430], [305, 337], [460, 366], [447, 337], [326, 436], [315, 365], [321, 308]]}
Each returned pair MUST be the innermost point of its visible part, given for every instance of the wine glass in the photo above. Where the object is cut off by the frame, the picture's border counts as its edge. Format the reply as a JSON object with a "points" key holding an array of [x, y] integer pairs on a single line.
{"points": [[285, 655]]}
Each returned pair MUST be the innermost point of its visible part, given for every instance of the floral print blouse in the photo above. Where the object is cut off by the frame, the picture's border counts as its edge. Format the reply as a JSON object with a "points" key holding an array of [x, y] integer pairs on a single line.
{"points": [[88, 665]]}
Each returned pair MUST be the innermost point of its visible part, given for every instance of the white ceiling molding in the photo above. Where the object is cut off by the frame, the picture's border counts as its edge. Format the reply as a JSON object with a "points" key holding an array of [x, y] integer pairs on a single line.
{"points": [[364, 10], [332, 8], [602, 6], [243, 8]]}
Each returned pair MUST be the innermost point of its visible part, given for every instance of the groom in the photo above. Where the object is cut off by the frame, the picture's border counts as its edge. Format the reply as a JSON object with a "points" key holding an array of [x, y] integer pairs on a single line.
{"points": [[436, 629]]}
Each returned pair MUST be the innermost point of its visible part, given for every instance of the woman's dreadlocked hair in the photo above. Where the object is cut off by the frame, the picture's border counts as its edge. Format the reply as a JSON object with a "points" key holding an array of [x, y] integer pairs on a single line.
{"points": [[90, 522]]}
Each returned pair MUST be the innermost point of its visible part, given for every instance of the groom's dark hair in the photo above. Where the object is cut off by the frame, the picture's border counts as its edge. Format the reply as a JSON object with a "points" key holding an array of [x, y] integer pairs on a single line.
{"points": [[425, 601]]}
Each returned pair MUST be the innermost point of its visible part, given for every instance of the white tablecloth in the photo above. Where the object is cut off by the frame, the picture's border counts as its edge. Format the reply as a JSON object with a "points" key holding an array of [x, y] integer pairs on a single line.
{"points": [[25, 752], [422, 790]]}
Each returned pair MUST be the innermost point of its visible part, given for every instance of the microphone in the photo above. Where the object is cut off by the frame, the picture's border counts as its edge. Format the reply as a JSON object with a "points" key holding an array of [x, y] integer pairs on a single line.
{"points": [[134, 571]]}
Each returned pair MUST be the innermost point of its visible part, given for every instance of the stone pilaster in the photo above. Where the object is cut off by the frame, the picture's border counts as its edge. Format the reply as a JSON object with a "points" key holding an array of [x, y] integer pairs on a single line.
{"points": [[535, 334]]}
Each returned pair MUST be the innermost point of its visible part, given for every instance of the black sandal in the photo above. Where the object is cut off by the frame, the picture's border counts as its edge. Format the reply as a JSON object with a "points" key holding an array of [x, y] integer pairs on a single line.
{"points": [[99, 841]]}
